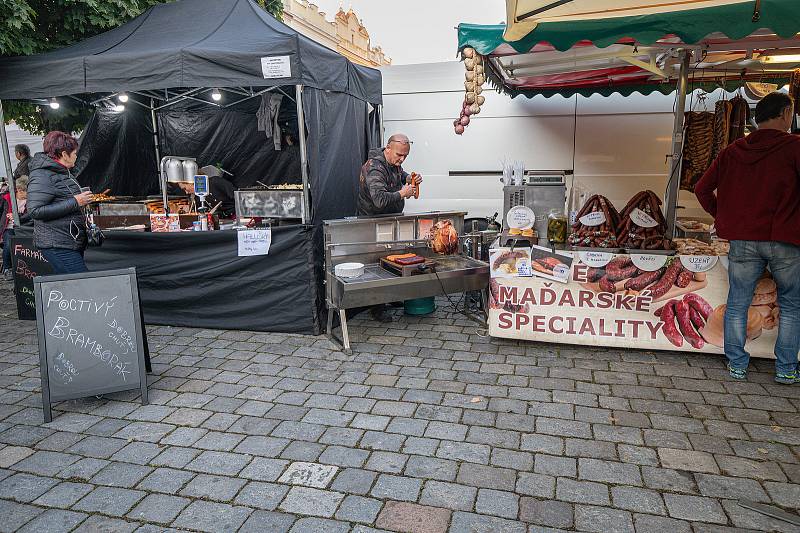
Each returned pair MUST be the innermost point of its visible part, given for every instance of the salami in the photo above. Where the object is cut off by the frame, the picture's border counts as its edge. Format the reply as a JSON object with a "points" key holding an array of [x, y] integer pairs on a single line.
{"points": [[699, 303], [684, 279], [686, 326], [670, 328], [663, 285], [697, 318], [643, 280], [621, 268], [594, 274], [606, 285]]}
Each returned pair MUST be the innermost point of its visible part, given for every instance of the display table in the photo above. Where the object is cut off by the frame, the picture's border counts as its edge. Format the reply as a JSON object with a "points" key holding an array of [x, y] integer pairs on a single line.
{"points": [[581, 312], [197, 279]]}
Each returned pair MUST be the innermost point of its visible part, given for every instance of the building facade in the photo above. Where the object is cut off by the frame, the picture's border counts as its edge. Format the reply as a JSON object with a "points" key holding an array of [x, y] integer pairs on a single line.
{"points": [[345, 33]]}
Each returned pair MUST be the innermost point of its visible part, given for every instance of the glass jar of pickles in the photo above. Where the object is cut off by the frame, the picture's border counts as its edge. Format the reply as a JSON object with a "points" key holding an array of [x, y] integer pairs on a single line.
{"points": [[557, 227]]}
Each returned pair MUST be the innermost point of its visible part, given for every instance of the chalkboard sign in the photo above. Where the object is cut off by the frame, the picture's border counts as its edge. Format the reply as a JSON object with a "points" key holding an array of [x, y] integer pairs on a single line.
{"points": [[27, 262], [90, 335]]}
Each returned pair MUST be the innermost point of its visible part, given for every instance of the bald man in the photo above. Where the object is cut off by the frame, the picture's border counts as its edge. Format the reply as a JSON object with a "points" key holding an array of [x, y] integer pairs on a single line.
{"points": [[384, 186]]}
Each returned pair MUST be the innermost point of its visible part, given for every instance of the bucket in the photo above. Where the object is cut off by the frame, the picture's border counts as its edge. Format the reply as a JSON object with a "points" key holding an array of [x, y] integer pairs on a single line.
{"points": [[420, 306]]}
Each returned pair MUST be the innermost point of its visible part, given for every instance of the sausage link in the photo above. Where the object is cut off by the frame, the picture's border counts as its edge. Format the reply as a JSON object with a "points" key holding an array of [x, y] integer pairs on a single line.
{"points": [[606, 285], [670, 328], [686, 326], [594, 274], [699, 303], [684, 279], [662, 286], [643, 280]]}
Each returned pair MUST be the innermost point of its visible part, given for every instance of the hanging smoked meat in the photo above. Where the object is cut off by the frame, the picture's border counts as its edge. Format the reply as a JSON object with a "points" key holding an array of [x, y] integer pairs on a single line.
{"points": [[697, 147], [722, 118], [740, 117]]}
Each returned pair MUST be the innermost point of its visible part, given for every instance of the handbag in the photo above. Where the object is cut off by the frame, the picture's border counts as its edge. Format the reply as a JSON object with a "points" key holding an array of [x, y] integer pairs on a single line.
{"points": [[94, 235]]}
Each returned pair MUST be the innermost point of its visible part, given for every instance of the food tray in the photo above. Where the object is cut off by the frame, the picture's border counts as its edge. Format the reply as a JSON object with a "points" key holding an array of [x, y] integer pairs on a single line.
{"points": [[630, 251]]}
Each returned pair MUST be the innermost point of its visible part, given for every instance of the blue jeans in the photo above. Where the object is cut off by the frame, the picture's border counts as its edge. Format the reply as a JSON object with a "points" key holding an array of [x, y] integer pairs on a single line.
{"points": [[65, 261], [747, 261]]}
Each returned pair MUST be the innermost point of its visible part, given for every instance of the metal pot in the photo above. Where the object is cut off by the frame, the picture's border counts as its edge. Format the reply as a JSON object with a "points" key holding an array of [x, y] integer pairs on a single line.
{"points": [[189, 170]]}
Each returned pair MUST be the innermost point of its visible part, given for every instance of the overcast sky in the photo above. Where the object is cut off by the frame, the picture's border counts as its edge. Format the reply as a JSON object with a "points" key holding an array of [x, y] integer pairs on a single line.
{"points": [[418, 31]]}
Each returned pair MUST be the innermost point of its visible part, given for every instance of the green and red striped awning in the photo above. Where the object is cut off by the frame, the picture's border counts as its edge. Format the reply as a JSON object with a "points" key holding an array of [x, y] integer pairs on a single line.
{"points": [[604, 46]]}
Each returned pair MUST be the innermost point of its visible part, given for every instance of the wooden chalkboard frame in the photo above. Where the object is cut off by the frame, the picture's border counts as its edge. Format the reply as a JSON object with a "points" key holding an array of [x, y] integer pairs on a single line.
{"points": [[47, 398]]}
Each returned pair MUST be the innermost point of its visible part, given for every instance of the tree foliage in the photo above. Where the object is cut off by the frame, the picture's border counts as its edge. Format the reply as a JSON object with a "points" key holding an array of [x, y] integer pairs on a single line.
{"points": [[35, 26]]}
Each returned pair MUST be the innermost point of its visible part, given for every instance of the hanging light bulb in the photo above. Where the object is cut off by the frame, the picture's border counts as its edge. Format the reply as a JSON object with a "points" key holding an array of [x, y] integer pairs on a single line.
{"points": [[122, 97], [216, 95], [54, 104], [119, 108]]}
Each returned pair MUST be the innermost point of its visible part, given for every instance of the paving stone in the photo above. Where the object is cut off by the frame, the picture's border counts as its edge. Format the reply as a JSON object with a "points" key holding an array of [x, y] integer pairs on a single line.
{"points": [[14, 515], [372, 422], [731, 488], [261, 445], [359, 509], [462, 451], [396, 488], [448, 495], [97, 523], [168, 480], [497, 503], [45, 463], [591, 448], [637, 500], [308, 474], [84, 469], [564, 428], [603, 520], [695, 508], [64, 495], [260, 495], [546, 513], [486, 477], [263, 469], [346, 457], [783, 494], [314, 502], [421, 446], [609, 472], [536, 485], [211, 517], [646, 523], [582, 492], [412, 518], [741, 467], [265, 521], [318, 525], [512, 459], [753, 520], [215, 440], [446, 430], [346, 436], [353, 481], [159, 508], [13, 454], [25, 487], [109, 500], [688, 460], [555, 466], [668, 480], [475, 523], [431, 468], [217, 488], [220, 463], [637, 455], [52, 520], [121, 475], [175, 457]]}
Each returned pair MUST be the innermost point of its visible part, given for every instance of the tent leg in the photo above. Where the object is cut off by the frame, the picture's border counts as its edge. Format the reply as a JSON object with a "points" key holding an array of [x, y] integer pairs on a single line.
{"points": [[671, 201], [155, 130], [301, 135], [383, 131], [7, 160]]}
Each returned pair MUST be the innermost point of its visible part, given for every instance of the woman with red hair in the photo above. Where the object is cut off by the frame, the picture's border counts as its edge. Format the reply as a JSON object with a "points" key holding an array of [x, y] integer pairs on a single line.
{"points": [[55, 203]]}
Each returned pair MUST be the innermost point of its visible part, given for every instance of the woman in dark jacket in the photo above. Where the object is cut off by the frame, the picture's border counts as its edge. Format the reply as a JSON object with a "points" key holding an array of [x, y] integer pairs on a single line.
{"points": [[55, 203]]}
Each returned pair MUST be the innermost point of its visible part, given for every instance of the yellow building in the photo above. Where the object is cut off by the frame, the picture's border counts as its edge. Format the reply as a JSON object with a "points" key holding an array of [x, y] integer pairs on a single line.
{"points": [[345, 34]]}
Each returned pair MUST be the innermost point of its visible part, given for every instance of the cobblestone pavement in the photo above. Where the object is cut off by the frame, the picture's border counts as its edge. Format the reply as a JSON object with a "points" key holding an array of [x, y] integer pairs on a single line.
{"points": [[427, 428]]}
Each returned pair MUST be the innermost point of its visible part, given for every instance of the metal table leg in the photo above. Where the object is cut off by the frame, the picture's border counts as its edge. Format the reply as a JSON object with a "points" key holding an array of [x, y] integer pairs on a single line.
{"points": [[345, 341]]}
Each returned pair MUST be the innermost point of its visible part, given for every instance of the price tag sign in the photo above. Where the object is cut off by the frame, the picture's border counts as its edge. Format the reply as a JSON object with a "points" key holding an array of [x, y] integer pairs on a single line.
{"points": [[276, 67], [593, 219], [699, 263], [649, 262], [561, 272], [642, 219], [254, 242], [524, 269], [595, 259]]}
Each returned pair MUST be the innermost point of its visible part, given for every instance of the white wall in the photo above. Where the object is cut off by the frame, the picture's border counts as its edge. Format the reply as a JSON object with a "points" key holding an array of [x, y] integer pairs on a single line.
{"points": [[17, 136], [620, 143]]}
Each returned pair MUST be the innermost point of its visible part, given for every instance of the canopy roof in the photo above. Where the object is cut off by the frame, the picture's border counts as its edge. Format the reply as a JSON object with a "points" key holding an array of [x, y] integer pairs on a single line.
{"points": [[186, 44], [600, 46]]}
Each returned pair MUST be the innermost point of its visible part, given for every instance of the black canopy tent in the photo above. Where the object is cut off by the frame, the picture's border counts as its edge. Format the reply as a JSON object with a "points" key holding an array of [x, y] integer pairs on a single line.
{"points": [[175, 55]]}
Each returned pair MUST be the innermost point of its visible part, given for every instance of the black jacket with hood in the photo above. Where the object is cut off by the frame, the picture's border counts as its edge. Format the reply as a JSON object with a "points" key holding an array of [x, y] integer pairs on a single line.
{"points": [[58, 220], [380, 184]]}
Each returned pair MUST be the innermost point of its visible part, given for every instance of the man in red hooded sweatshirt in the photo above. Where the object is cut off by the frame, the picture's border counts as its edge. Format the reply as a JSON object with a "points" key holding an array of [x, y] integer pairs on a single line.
{"points": [[757, 208]]}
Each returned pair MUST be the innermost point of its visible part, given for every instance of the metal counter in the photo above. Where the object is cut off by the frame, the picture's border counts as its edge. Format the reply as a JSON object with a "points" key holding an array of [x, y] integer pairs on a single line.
{"points": [[367, 239]]}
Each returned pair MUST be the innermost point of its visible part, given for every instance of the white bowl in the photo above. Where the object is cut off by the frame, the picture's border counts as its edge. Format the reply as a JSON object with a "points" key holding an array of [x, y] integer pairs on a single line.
{"points": [[349, 270]]}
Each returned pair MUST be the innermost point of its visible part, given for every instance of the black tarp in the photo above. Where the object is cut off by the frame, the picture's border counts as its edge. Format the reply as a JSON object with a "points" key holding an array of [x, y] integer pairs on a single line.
{"points": [[188, 43], [197, 279]]}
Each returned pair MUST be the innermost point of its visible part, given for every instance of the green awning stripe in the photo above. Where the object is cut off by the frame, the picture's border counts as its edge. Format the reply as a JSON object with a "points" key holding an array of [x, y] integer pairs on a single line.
{"points": [[782, 17]]}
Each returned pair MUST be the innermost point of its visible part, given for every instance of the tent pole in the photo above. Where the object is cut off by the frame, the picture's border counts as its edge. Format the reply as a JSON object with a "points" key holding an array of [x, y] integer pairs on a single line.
{"points": [[301, 135], [161, 184], [9, 174], [671, 200], [380, 115]]}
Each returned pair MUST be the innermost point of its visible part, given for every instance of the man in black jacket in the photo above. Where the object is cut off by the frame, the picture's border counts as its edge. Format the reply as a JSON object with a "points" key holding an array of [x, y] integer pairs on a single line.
{"points": [[384, 186]]}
